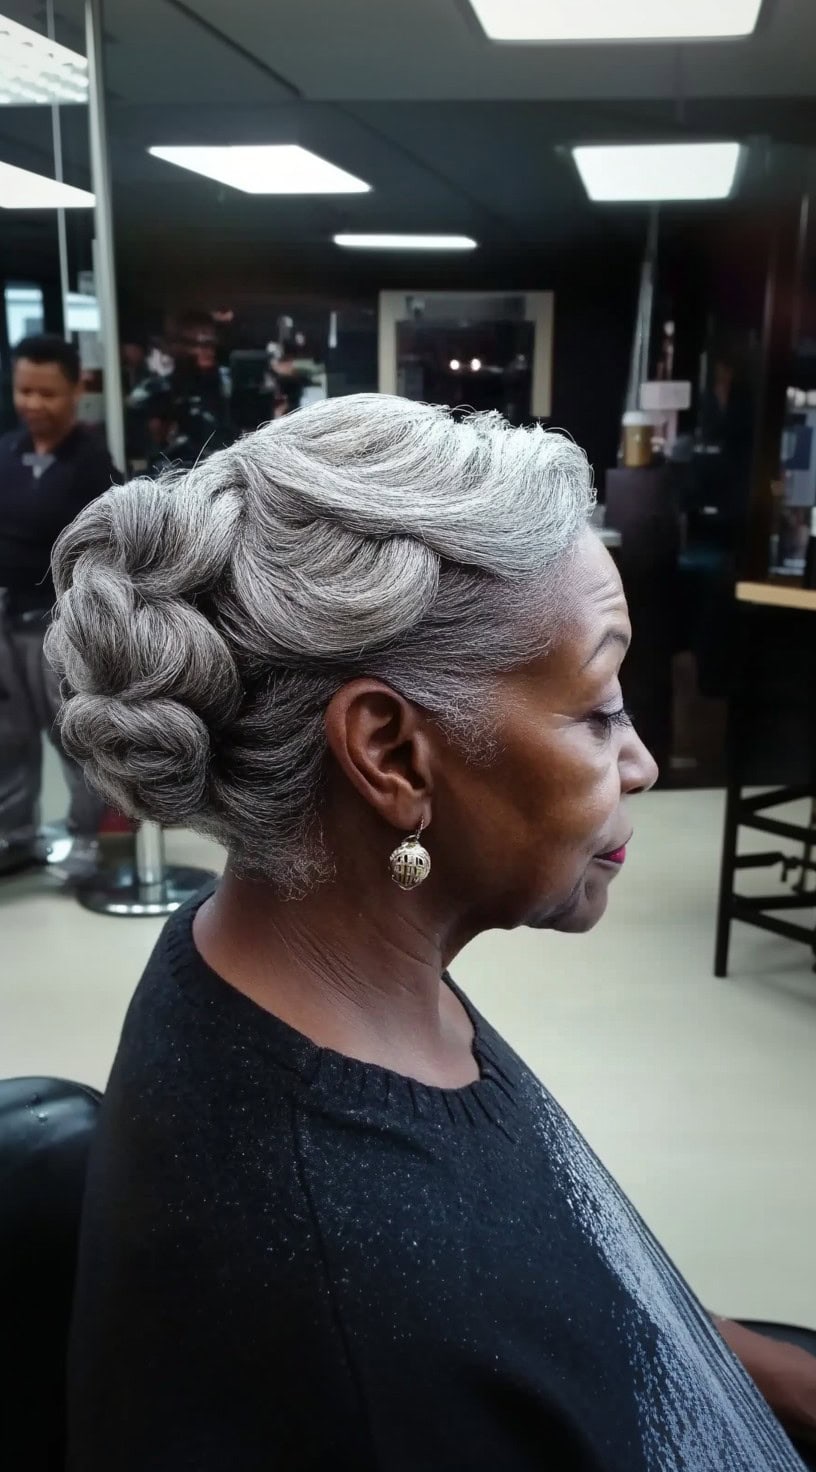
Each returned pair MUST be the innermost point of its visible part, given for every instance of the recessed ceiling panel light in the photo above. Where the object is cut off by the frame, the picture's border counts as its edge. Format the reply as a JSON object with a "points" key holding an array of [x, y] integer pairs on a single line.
{"points": [[658, 171], [22, 190], [616, 20], [36, 70], [265, 168], [406, 242]]}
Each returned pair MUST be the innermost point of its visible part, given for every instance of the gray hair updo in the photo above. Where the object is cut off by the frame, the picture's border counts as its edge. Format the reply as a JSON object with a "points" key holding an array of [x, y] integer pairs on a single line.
{"points": [[205, 620]]}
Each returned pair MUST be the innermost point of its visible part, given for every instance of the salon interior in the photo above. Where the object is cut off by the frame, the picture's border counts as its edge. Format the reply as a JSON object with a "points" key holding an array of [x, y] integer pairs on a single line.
{"points": [[603, 224]]}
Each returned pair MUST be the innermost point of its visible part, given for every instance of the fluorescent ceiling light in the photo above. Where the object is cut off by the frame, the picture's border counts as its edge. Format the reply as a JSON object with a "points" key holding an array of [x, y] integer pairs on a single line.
{"points": [[22, 190], [36, 70], [616, 20], [406, 242], [656, 171], [265, 168]]}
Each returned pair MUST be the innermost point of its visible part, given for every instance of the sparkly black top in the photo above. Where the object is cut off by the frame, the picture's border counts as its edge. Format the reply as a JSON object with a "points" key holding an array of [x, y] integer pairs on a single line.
{"points": [[292, 1260]]}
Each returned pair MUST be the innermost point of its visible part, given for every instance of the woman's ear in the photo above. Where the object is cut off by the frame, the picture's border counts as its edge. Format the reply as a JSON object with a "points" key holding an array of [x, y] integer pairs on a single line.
{"points": [[381, 743]]}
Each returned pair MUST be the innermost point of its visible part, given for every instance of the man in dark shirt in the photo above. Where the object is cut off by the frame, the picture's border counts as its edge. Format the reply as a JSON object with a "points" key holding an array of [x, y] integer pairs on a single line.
{"points": [[49, 469]]}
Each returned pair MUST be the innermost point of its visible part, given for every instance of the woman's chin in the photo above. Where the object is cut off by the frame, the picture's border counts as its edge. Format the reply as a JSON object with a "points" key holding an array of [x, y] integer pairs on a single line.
{"points": [[586, 906]]}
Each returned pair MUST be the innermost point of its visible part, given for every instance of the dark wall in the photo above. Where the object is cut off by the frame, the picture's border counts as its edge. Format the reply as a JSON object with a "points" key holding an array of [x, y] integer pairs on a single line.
{"points": [[711, 262], [595, 288], [594, 319]]}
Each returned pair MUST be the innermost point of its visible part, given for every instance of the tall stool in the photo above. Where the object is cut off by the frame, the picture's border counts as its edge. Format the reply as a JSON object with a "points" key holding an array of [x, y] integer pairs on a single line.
{"points": [[771, 734], [149, 886]]}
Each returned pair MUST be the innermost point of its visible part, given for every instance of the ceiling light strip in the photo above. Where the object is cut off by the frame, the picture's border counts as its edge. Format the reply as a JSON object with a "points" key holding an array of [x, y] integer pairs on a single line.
{"points": [[405, 242]]}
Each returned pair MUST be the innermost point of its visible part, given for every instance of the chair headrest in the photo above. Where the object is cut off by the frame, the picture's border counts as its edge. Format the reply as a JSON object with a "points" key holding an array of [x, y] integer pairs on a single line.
{"points": [[46, 1127]]}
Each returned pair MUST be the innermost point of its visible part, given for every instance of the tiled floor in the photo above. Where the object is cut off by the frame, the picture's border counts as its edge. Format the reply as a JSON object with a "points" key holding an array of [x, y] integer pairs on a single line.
{"points": [[699, 1094]]}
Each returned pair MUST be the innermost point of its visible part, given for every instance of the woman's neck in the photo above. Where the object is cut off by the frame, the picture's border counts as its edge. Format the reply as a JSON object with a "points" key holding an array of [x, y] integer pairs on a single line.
{"points": [[362, 978]]}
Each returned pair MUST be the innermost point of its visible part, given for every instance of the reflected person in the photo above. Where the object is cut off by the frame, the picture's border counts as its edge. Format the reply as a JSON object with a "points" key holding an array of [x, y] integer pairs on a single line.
{"points": [[50, 467]]}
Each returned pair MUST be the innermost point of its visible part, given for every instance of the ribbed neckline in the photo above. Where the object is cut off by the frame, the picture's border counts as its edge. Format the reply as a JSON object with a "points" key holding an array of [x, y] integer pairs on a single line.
{"points": [[350, 1084]]}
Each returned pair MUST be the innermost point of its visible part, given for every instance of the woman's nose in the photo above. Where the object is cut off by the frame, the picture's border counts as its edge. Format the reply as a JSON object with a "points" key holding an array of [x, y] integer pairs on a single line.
{"points": [[639, 770]]}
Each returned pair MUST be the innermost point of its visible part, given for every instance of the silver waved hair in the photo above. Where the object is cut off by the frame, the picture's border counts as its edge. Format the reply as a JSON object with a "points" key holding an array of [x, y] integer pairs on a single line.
{"points": [[204, 620]]}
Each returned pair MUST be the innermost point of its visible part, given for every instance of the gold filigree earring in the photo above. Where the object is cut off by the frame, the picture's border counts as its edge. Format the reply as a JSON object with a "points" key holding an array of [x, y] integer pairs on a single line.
{"points": [[410, 864]]}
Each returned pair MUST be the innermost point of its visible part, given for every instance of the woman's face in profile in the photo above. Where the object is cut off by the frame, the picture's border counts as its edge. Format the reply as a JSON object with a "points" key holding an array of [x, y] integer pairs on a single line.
{"points": [[543, 828]]}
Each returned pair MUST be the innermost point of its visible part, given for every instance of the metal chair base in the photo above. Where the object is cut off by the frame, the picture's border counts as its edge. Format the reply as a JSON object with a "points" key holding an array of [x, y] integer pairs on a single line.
{"points": [[149, 886], [121, 893]]}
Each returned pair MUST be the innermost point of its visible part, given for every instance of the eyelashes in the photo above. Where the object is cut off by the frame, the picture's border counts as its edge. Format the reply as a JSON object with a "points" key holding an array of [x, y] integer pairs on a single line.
{"points": [[606, 721]]}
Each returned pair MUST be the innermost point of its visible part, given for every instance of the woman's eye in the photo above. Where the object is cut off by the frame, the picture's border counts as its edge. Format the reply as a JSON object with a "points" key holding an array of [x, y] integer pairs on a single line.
{"points": [[605, 721]]}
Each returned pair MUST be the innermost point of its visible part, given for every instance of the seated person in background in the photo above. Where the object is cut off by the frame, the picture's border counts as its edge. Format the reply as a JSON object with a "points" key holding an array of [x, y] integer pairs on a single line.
{"points": [[169, 432], [332, 1220], [49, 469]]}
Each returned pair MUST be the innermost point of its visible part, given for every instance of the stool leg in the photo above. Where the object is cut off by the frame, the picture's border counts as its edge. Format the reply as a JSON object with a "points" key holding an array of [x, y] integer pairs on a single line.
{"points": [[151, 870], [734, 748], [727, 871]]}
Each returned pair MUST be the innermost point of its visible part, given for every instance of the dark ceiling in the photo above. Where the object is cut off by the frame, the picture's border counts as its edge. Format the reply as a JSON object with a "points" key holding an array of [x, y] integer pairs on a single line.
{"points": [[452, 132]]}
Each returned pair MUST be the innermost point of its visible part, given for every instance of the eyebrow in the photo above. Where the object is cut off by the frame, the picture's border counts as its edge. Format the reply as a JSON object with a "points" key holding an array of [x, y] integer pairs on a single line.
{"points": [[612, 636]]}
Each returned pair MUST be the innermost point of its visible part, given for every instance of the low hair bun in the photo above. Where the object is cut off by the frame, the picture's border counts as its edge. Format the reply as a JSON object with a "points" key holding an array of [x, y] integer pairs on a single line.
{"points": [[115, 642], [150, 758], [148, 681]]}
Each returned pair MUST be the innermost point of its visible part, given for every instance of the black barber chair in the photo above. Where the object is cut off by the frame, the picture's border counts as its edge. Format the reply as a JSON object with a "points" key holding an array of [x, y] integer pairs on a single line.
{"points": [[46, 1126]]}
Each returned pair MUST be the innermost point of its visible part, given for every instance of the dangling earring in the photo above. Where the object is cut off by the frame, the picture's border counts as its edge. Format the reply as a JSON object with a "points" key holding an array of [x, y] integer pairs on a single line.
{"points": [[410, 864]]}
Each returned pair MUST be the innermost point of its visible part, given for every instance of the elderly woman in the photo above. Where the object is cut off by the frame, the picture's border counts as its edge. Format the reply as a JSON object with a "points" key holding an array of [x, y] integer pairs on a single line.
{"points": [[332, 1221]]}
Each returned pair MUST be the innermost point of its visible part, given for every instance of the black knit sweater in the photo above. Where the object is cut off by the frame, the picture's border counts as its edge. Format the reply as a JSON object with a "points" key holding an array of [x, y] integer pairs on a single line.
{"points": [[291, 1260]]}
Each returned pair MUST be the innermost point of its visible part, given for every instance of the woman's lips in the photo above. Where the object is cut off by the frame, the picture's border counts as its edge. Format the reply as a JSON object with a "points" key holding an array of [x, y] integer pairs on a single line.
{"points": [[615, 856]]}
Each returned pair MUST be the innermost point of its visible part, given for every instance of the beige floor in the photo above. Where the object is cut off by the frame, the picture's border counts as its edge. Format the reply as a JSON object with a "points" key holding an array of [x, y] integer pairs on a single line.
{"points": [[699, 1094]]}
